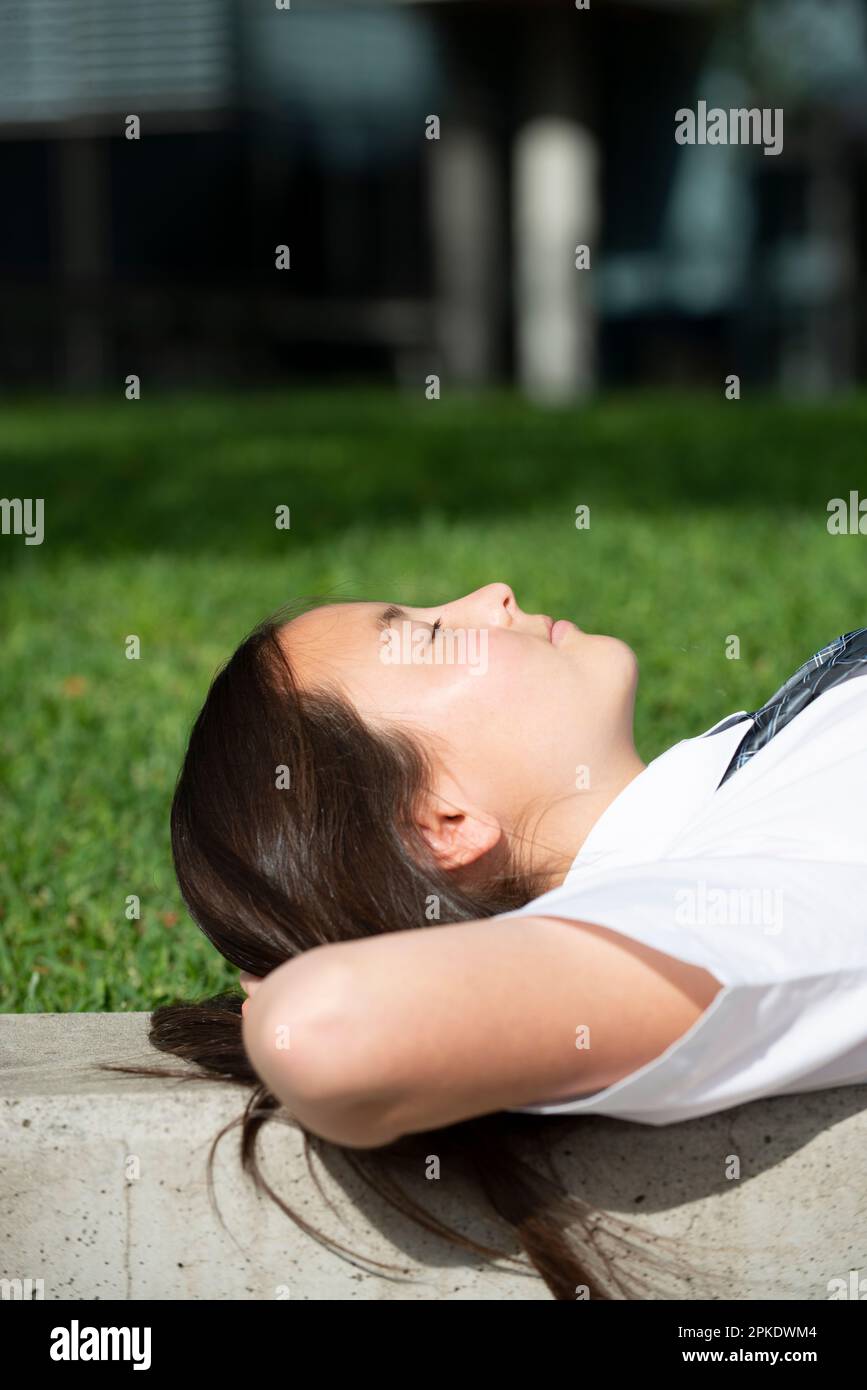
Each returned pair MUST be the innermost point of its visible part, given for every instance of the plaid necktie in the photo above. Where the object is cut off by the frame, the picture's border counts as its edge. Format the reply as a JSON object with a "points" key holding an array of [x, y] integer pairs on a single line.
{"points": [[844, 657]]}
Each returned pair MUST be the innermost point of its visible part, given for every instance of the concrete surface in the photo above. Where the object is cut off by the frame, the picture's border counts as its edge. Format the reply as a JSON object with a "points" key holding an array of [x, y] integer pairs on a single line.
{"points": [[103, 1191]]}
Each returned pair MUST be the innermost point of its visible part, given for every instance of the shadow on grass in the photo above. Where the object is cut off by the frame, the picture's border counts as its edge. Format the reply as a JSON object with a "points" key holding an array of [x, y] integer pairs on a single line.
{"points": [[199, 474]]}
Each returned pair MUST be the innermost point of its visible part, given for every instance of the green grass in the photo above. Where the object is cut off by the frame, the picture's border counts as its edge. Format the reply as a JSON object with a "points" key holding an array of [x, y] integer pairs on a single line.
{"points": [[708, 518]]}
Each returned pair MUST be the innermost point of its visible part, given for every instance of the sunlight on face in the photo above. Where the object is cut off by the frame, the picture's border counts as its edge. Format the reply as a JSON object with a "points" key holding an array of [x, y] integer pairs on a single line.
{"points": [[510, 715]]}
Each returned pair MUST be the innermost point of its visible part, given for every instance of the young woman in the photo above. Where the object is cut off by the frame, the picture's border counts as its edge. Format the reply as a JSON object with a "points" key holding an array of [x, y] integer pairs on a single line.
{"points": [[456, 895]]}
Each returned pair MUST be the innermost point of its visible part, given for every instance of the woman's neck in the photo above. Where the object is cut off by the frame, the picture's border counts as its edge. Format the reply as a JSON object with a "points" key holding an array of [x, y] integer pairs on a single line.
{"points": [[562, 830]]}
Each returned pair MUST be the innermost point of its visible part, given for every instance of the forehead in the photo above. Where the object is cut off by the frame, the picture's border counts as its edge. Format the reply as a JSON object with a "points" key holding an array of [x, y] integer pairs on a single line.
{"points": [[329, 618], [335, 630]]}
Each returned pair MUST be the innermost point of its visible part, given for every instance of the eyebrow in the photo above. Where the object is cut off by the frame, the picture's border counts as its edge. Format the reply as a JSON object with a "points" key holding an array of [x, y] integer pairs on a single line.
{"points": [[389, 614]]}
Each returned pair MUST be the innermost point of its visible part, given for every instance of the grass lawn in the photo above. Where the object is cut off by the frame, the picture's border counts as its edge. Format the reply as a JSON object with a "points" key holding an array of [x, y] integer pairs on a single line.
{"points": [[708, 518]]}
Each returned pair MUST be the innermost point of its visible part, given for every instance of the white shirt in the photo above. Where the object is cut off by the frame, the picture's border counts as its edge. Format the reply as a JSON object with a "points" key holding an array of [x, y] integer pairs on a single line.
{"points": [[763, 882]]}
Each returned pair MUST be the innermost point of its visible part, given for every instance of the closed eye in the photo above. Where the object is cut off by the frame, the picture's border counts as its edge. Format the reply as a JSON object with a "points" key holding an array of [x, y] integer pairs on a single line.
{"points": [[388, 615], [394, 611]]}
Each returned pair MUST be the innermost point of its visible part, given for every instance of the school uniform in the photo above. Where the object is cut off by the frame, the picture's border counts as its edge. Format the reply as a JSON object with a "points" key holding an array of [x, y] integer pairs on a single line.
{"points": [[744, 850]]}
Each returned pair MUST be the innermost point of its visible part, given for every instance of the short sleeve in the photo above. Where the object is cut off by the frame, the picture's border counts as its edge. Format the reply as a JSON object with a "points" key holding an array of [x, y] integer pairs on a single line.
{"points": [[787, 941]]}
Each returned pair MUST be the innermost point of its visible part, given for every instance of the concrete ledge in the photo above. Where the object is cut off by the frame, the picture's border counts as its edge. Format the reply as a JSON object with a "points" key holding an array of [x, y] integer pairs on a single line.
{"points": [[103, 1191]]}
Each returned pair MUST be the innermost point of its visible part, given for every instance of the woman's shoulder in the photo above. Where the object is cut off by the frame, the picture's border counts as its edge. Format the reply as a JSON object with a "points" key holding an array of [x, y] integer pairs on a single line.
{"points": [[786, 941]]}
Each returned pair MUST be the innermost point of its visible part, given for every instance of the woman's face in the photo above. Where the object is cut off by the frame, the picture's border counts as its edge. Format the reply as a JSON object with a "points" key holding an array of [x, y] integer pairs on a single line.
{"points": [[514, 710]]}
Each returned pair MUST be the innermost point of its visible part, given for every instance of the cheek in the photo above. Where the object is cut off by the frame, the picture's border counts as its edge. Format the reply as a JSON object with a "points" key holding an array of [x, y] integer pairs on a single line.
{"points": [[516, 698], [502, 674], [527, 678], [539, 700]]}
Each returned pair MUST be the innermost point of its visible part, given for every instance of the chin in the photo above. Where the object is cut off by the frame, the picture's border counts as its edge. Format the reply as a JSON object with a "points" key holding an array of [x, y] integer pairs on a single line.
{"points": [[622, 655]]}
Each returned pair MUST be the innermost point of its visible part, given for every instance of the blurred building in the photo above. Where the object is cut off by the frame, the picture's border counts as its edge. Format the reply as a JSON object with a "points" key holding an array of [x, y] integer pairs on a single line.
{"points": [[307, 127]]}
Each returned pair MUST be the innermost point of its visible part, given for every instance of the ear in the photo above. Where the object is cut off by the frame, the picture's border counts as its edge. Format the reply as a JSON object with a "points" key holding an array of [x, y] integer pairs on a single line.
{"points": [[457, 836]]}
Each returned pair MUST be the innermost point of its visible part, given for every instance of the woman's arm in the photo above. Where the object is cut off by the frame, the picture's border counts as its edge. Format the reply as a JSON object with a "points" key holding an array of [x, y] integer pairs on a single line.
{"points": [[367, 1040]]}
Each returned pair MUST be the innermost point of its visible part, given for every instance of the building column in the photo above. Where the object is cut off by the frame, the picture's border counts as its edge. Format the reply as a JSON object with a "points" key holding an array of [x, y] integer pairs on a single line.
{"points": [[555, 208], [467, 216], [84, 249]]}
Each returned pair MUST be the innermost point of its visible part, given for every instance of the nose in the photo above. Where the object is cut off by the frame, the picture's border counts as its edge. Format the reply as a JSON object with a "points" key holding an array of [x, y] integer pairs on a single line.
{"points": [[494, 605]]}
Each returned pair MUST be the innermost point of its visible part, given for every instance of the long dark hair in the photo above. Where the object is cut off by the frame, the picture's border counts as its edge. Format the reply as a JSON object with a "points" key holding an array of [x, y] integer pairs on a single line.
{"points": [[267, 875]]}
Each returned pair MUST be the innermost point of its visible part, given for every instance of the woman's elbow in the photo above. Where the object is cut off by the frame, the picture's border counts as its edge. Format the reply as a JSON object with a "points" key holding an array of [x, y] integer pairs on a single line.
{"points": [[305, 1041], [286, 1024]]}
